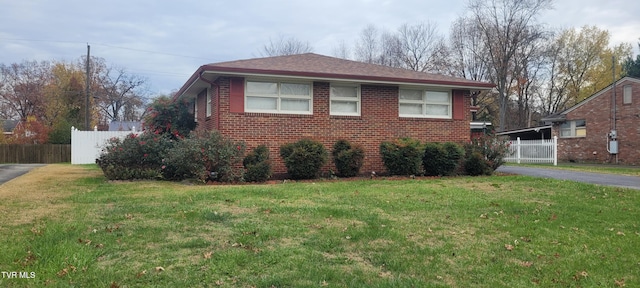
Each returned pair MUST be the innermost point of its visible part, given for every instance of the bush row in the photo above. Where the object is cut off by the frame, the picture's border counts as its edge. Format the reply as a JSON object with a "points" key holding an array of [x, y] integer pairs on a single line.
{"points": [[410, 157], [208, 156]]}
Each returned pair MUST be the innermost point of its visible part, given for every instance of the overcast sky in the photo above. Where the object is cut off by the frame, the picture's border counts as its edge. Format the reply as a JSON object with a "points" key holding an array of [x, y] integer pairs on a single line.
{"points": [[167, 42]]}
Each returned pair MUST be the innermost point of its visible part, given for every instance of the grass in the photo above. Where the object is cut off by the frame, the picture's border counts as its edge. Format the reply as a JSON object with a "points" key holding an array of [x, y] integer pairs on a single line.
{"points": [[73, 228], [596, 168]]}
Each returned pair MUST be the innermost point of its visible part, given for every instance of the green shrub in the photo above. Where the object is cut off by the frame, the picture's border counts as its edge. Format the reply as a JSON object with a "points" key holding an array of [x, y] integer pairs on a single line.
{"points": [[441, 159], [205, 156], [258, 165], [402, 156], [304, 158], [135, 156], [348, 158], [491, 149], [476, 165]]}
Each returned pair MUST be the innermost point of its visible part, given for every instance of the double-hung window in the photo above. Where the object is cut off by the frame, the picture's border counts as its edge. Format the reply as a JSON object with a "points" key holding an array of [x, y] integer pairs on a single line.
{"points": [[345, 100], [278, 97], [575, 128], [424, 103]]}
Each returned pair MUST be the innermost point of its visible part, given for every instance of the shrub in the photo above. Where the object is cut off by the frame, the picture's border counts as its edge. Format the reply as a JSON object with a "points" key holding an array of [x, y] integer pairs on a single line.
{"points": [[347, 158], [476, 165], [134, 157], [304, 158], [257, 164], [491, 149], [441, 159], [205, 156], [402, 156]]}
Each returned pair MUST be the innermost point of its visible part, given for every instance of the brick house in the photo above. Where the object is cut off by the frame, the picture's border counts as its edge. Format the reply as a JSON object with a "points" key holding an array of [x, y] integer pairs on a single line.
{"points": [[584, 130], [277, 100]]}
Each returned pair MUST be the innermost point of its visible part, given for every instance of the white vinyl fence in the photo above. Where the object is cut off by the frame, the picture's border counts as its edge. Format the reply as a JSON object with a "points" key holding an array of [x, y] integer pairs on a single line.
{"points": [[86, 146], [533, 151]]}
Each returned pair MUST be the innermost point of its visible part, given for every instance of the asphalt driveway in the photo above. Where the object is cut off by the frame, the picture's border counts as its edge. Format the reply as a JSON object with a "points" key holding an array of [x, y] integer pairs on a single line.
{"points": [[586, 177], [10, 171]]}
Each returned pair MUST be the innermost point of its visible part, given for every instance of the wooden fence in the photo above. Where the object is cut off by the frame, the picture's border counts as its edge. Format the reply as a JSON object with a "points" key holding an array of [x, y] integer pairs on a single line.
{"points": [[35, 153]]}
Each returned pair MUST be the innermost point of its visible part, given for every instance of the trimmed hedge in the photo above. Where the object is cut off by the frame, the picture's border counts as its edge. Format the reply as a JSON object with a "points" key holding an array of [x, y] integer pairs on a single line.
{"points": [[304, 158], [258, 165], [348, 158], [402, 156]]}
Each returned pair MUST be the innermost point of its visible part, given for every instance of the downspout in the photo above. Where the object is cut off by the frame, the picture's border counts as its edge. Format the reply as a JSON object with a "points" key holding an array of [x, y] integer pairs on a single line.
{"points": [[211, 83]]}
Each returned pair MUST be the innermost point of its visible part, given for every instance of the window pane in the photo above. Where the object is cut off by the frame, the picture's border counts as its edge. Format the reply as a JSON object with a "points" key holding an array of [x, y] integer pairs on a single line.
{"points": [[439, 97], [581, 132], [344, 107], [294, 104], [565, 132], [565, 125], [344, 91], [262, 88], [410, 94], [626, 95], [262, 103], [438, 110], [295, 89], [581, 123], [411, 109]]}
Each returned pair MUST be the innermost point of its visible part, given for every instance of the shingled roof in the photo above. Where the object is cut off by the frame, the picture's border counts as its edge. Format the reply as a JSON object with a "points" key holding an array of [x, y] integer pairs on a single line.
{"points": [[310, 65]]}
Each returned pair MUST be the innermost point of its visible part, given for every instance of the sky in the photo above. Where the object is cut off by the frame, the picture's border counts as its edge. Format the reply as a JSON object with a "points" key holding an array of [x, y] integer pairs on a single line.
{"points": [[166, 41]]}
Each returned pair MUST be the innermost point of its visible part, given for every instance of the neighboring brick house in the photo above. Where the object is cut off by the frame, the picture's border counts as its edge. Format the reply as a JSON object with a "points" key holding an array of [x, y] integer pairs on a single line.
{"points": [[277, 100], [584, 130]]}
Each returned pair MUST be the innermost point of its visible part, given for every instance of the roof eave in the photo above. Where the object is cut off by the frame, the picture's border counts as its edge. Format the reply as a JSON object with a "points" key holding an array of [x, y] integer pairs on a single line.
{"points": [[332, 76]]}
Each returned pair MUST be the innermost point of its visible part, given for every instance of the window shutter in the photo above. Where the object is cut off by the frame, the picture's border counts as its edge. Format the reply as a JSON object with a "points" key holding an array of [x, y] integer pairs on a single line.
{"points": [[236, 95], [458, 104]]}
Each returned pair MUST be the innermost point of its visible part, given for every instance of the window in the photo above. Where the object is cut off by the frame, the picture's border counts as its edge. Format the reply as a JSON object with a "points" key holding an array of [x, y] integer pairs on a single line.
{"points": [[208, 109], [421, 103], [575, 128], [278, 97], [195, 109], [626, 95], [345, 100]]}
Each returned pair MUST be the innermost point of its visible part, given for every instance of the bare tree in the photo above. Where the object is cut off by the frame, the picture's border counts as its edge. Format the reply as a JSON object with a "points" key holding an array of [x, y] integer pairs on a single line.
{"points": [[286, 46], [118, 94], [503, 25], [342, 50], [22, 93], [367, 47], [420, 46]]}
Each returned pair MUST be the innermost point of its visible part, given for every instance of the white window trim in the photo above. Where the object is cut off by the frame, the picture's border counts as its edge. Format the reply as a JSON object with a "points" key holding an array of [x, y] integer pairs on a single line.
{"points": [[195, 109], [345, 99], [208, 108], [573, 129], [278, 110], [425, 102]]}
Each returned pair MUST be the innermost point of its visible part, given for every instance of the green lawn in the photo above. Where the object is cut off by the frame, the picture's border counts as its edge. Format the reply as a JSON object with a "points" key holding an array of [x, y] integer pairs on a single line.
{"points": [[73, 228]]}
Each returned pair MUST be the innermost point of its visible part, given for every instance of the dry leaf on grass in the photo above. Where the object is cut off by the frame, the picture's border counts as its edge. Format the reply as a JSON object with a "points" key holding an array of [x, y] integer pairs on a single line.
{"points": [[619, 283], [207, 255], [508, 247], [159, 269]]}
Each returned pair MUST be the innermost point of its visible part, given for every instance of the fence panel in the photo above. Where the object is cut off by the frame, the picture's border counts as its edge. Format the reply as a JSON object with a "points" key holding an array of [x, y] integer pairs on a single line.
{"points": [[35, 153], [86, 146], [533, 151]]}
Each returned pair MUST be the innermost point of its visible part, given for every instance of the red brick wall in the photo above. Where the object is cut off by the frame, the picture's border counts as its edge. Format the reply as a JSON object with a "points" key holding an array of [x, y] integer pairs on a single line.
{"points": [[597, 113], [378, 122]]}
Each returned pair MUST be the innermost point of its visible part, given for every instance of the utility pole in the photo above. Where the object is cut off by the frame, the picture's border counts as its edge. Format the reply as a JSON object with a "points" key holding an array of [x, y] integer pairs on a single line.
{"points": [[88, 91]]}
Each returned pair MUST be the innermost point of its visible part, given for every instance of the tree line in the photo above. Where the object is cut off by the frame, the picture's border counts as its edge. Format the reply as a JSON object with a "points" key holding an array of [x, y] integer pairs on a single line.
{"points": [[49, 97], [537, 70]]}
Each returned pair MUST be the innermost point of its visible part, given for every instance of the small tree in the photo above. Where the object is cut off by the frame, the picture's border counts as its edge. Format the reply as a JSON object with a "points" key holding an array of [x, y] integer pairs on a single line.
{"points": [[348, 158], [489, 149], [304, 158], [166, 116]]}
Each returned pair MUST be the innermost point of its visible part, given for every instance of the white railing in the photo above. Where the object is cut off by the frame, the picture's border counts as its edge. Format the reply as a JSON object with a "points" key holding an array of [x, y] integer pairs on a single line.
{"points": [[533, 151], [86, 146]]}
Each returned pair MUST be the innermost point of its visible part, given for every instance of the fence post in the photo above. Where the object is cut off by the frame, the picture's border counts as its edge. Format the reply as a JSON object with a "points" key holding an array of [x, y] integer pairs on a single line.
{"points": [[555, 150], [518, 150]]}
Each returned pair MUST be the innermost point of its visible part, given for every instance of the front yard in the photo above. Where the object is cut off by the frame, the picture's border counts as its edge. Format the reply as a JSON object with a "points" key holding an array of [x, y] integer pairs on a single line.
{"points": [[71, 227]]}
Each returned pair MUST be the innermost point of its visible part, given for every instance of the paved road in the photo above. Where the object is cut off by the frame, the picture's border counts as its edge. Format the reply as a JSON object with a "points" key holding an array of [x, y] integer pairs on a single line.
{"points": [[587, 177], [10, 171]]}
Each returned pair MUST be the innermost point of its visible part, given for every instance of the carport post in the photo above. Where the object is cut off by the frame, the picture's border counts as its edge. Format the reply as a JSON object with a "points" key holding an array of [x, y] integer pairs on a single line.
{"points": [[518, 150], [555, 150]]}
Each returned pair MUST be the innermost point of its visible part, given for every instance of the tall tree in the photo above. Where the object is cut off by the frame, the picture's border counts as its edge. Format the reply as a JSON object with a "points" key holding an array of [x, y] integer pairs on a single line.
{"points": [[421, 46], [632, 67], [119, 96], [22, 91], [503, 25], [367, 48], [286, 46]]}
